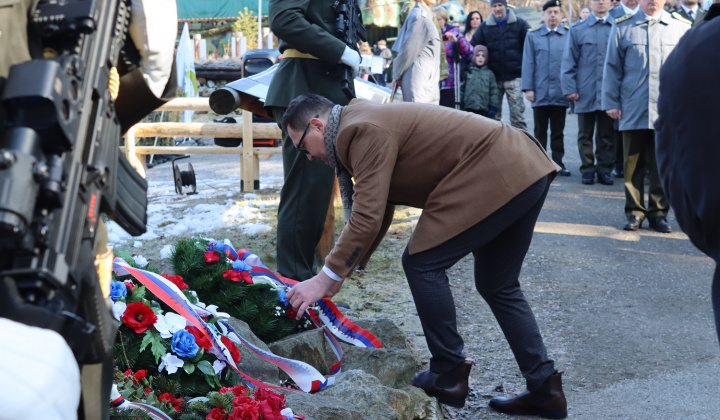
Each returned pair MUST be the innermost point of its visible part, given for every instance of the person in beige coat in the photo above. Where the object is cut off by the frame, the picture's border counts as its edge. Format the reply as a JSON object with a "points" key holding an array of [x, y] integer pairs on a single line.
{"points": [[481, 185]]}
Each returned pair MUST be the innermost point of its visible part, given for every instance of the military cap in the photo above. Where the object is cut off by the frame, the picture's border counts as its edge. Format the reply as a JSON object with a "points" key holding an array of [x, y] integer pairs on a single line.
{"points": [[551, 3]]}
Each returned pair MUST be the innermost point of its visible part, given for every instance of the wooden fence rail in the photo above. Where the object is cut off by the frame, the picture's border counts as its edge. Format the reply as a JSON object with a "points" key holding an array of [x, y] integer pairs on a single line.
{"points": [[247, 130]]}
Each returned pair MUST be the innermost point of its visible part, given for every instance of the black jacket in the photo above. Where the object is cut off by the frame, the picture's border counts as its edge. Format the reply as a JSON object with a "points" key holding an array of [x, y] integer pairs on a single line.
{"points": [[505, 47]]}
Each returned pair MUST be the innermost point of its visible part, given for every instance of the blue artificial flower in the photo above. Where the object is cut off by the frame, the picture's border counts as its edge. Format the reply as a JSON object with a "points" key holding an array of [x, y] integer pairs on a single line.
{"points": [[183, 344], [117, 290], [282, 297], [241, 266]]}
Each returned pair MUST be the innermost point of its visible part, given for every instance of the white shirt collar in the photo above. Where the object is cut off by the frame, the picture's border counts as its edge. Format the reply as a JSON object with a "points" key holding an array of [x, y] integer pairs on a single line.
{"points": [[603, 19], [690, 9], [629, 10]]}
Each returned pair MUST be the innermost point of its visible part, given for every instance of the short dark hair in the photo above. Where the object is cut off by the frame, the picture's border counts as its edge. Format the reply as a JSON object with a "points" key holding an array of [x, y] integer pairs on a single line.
{"points": [[303, 108]]}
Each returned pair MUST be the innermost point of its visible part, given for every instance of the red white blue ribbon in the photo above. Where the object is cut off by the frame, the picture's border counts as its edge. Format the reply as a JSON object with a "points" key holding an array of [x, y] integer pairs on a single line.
{"points": [[330, 316]]}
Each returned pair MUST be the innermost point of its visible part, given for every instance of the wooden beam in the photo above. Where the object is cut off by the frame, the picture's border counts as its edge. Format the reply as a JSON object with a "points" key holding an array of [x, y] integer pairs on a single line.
{"points": [[186, 104], [248, 165], [173, 129]]}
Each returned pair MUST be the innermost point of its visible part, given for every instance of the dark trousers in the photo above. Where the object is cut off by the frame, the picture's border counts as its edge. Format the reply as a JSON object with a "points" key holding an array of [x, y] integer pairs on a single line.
{"points": [[639, 158], [599, 123], [304, 200], [617, 135], [554, 116], [447, 98], [499, 244]]}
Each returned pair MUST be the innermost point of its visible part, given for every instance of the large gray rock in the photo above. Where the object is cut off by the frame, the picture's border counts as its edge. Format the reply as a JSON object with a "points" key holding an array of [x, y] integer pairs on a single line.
{"points": [[424, 407], [321, 407], [370, 397], [394, 368], [250, 363], [307, 346]]}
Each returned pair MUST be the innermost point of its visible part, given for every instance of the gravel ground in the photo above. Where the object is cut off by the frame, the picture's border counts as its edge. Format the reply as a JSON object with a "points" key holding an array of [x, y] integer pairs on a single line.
{"points": [[626, 315]]}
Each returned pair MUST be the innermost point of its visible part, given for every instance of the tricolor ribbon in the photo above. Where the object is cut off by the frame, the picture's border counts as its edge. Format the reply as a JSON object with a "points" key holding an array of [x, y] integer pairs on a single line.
{"points": [[329, 315]]}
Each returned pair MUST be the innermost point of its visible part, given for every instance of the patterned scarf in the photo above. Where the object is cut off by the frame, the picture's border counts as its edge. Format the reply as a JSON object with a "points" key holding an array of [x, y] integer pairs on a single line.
{"points": [[344, 180]]}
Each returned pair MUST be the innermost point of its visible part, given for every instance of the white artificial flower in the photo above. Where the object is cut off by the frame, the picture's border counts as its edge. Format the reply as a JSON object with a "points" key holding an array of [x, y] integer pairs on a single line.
{"points": [[169, 324], [118, 309], [219, 365], [268, 281], [211, 309], [171, 363]]}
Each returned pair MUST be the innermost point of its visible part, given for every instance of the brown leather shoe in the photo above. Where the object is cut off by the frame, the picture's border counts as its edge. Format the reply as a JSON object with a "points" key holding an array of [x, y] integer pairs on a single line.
{"points": [[547, 402], [449, 388]]}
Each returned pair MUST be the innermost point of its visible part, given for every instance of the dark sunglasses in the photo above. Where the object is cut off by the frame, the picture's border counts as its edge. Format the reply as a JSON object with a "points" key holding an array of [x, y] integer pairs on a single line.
{"points": [[299, 146]]}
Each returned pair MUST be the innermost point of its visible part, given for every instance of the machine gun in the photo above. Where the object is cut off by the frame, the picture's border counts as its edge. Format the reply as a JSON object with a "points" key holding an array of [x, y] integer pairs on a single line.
{"points": [[349, 29], [60, 167]]}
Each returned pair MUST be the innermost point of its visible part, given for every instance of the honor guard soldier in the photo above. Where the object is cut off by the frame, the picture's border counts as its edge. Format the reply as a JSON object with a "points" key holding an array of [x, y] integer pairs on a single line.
{"points": [[314, 60], [542, 55], [638, 46], [581, 78]]}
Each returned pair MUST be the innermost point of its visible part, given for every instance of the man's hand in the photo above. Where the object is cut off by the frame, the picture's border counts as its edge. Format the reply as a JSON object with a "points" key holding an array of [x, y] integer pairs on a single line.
{"points": [[615, 114], [530, 95], [573, 97], [306, 293]]}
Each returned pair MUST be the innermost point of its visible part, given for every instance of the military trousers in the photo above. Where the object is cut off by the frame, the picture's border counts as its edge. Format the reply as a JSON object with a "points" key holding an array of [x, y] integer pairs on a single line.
{"points": [[304, 200], [599, 123], [639, 159], [516, 102], [554, 116], [498, 244]]}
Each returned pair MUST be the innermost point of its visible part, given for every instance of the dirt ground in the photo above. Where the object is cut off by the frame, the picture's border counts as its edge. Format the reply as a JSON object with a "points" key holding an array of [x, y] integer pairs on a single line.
{"points": [[626, 315]]}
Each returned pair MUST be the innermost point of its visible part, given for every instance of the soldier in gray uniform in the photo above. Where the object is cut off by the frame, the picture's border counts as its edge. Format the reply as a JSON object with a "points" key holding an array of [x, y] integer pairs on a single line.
{"points": [[542, 55], [581, 80], [637, 48]]}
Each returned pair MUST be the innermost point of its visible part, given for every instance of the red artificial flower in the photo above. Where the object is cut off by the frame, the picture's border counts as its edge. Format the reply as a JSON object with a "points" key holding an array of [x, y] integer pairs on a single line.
{"points": [[291, 312], [139, 317], [147, 391], [130, 285], [128, 373], [140, 374], [272, 398], [211, 256], [237, 390], [176, 280], [234, 352], [217, 413], [268, 411], [242, 399], [238, 276], [175, 402], [200, 338], [248, 411]]}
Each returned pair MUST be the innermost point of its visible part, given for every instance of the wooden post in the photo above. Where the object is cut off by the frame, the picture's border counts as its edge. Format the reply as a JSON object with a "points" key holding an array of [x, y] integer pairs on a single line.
{"points": [[196, 42], [327, 240], [137, 161], [248, 166]]}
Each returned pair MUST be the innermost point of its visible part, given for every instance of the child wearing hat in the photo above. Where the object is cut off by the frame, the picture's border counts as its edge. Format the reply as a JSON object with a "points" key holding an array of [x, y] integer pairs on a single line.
{"points": [[480, 94]]}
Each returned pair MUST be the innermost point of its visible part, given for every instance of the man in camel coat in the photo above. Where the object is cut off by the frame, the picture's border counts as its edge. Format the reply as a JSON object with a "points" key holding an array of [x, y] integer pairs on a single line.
{"points": [[481, 185]]}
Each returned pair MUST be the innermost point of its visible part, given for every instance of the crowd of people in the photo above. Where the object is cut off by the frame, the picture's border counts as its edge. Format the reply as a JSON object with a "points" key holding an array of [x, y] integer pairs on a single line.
{"points": [[587, 68]]}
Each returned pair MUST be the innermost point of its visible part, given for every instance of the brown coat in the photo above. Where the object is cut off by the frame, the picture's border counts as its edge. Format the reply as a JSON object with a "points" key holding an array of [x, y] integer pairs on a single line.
{"points": [[456, 166]]}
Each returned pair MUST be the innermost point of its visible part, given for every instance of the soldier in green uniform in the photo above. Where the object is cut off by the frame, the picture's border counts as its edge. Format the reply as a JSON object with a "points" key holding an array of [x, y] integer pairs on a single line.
{"points": [[313, 62]]}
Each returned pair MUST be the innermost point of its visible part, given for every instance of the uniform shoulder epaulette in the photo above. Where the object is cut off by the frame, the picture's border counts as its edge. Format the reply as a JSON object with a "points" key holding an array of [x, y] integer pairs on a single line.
{"points": [[681, 18], [534, 29], [623, 18]]}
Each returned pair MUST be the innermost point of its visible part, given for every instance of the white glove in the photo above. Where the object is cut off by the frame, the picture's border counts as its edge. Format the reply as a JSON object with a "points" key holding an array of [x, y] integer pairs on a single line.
{"points": [[351, 58]]}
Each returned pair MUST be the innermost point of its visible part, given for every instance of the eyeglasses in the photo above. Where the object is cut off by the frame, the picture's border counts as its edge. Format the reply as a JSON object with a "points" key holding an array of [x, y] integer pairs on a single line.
{"points": [[299, 146]]}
